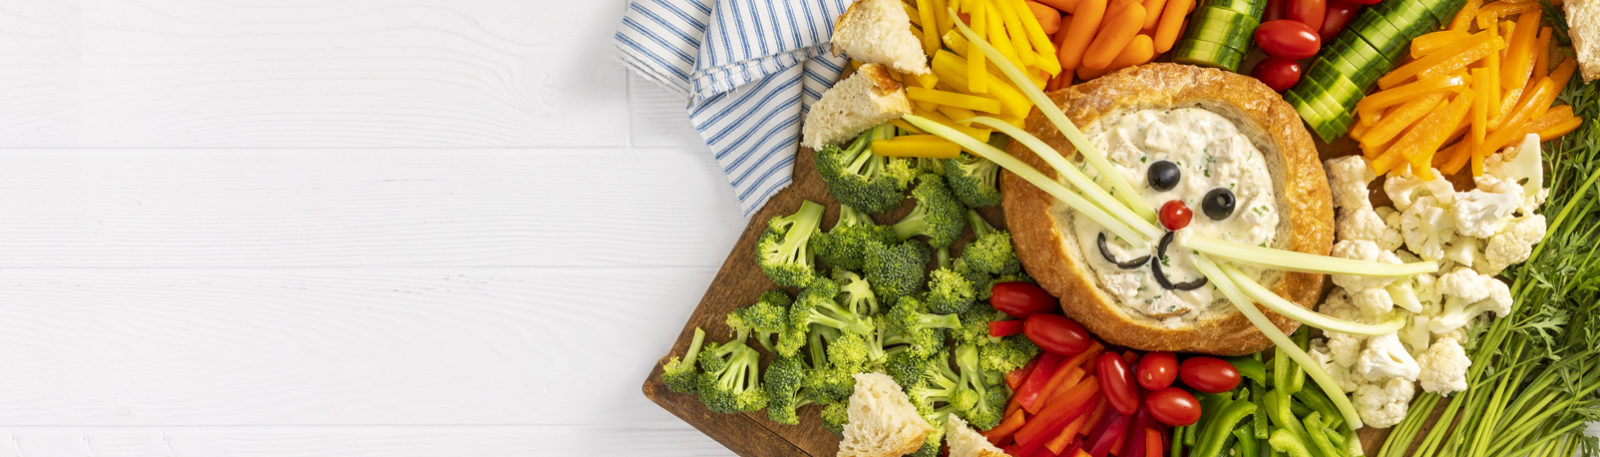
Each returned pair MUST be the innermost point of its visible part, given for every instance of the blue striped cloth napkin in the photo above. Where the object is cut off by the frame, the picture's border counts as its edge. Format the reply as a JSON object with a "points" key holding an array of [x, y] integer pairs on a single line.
{"points": [[747, 68]]}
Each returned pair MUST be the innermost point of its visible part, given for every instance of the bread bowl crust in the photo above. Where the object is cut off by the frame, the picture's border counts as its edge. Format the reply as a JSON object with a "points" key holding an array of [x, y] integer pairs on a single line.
{"points": [[1302, 187]]}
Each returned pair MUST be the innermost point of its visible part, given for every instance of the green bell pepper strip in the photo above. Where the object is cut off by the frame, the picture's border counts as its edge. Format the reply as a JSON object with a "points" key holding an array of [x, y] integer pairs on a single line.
{"points": [[1259, 421], [1246, 444], [1221, 427], [1319, 436], [1177, 441], [1251, 369], [1318, 402], [1283, 440]]}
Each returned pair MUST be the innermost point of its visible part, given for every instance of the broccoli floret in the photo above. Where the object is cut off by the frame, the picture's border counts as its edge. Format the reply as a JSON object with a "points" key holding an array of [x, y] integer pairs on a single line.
{"points": [[922, 332], [679, 374], [937, 214], [990, 399], [940, 385], [816, 309], [841, 246], [783, 379], [896, 271], [764, 319], [972, 180], [835, 415], [975, 324], [905, 367], [932, 444], [931, 166], [949, 292], [991, 252], [855, 293], [730, 377], [828, 385], [782, 251], [1006, 355], [863, 180]]}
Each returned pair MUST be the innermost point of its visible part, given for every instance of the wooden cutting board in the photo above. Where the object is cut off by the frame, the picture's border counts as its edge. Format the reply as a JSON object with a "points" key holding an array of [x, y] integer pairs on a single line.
{"points": [[740, 282]]}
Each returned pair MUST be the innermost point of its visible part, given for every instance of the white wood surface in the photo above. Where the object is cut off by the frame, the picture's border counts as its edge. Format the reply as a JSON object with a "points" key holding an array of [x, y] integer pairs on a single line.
{"points": [[341, 228]]}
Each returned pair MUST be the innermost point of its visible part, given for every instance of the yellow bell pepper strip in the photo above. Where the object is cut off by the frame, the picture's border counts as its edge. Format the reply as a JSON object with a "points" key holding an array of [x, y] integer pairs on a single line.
{"points": [[951, 70], [977, 75], [959, 100], [1043, 49], [1013, 30], [920, 145], [930, 26]]}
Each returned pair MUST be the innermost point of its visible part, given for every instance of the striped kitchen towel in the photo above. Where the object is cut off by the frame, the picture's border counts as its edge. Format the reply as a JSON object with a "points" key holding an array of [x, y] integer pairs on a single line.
{"points": [[747, 68]]}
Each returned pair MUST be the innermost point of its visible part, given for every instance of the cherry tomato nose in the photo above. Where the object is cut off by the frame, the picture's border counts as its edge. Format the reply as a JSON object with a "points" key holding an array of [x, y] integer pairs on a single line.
{"points": [[1175, 215]]}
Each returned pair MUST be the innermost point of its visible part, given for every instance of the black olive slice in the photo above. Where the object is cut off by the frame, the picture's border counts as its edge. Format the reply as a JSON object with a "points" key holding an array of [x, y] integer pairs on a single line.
{"points": [[1161, 277], [1105, 251], [1218, 204], [1163, 175]]}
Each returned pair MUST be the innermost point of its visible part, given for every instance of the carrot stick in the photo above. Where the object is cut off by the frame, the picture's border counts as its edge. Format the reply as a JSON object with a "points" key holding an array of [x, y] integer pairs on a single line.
{"points": [[1049, 18], [1478, 44], [1402, 117], [1059, 443], [1085, 21], [1463, 19], [1117, 32], [1063, 375], [1152, 13], [1058, 414], [1065, 6], [1171, 23]]}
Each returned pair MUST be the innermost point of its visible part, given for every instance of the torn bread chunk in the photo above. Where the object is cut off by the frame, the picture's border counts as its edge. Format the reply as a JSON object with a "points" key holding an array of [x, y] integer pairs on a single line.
{"points": [[882, 421], [879, 31], [865, 99], [1583, 23], [966, 442]]}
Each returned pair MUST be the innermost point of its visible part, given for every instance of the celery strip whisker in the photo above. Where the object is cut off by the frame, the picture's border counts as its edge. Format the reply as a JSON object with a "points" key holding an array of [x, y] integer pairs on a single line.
{"points": [[1012, 164], [1119, 186], [1291, 310], [1075, 176], [1299, 261], [1230, 290]]}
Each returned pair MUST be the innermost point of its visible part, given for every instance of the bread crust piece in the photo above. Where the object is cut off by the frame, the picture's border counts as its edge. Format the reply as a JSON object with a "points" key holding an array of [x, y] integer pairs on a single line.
{"points": [[1304, 201]]}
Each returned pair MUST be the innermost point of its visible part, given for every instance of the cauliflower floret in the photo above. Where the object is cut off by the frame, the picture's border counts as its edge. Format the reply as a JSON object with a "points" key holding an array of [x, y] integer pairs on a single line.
{"points": [[1367, 224], [1340, 373], [1444, 367], [1385, 357], [1427, 227], [1362, 250], [1416, 294], [1469, 294], [1511, 167], [1344, 347], [1415, 335], [1383, 404], [1348, 177], [1465, 251], [1481, 214], [1375, 304], [1405, 189], [1513, 244]]}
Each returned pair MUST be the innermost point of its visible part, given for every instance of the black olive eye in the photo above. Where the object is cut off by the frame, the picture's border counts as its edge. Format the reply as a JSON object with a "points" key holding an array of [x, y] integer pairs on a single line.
{"points": [[1218, 204], [1163, 175]]}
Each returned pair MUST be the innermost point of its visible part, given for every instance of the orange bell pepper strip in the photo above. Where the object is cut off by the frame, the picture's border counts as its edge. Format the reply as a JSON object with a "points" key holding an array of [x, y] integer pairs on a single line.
{"points": [[1494, 11], [1424, 139], [1058, 414], [1003, 431], [1518, 64], [1065, 376], [1515, 125], [1474, 47], [1429, 43], [1372, 105], [1059, 443], [1152, 443], [1464, 17], [1403, 116]]}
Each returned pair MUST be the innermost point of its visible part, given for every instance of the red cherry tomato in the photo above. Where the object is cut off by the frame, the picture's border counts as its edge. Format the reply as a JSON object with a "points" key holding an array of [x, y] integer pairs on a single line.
{"points": [[1279, 74], [1274, 10], [1209, 374], [1020, 299], [1288, 39], [1157, 370], [1340, 12], [1056, 334], [1173, 406], [1175, 215], [1117, 383], [1308, 12]]}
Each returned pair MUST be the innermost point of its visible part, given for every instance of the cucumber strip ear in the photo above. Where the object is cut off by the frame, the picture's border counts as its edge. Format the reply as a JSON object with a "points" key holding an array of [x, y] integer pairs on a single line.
{"points": [[1279, 259]]}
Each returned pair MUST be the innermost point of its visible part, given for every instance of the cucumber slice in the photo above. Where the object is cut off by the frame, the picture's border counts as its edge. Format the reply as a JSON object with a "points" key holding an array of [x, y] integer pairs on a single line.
{"points": [[1445, 10], [1340, 89], [1412, 18], [1334, 124], [1223, 26], [1355, 58], [1207, 54], [1380, 34], [1314, 117], [1251, 8]]}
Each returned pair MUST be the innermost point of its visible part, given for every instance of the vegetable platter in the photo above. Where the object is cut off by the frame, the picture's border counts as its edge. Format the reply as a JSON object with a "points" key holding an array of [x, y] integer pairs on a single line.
{"points": [[1181, 267]]}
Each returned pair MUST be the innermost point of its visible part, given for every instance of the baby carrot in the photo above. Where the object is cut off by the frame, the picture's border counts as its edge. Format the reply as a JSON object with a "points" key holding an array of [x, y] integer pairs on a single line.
{"points": [[1116, 33], [1085, 21], [1171, 23], [1138, 51], [1152, 13]]}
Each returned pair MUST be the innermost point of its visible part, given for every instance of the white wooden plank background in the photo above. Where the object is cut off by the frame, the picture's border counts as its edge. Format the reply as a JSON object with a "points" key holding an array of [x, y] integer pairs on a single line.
{"points": [[341, 227]]}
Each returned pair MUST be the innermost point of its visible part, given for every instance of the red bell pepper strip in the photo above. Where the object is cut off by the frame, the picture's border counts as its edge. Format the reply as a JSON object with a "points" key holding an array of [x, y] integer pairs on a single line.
{"points": [[1153, 445], [1068, 435], [1001, 329], [1015, 377], [1065, 378], [1133, 443], [1099, 411], [1058, 414], [1032, 388], [1116, 427]]}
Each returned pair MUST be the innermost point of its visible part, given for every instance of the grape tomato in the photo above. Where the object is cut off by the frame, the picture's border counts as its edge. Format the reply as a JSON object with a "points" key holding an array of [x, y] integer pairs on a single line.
{"points": [[1056, 334], [1021, 299], [1208, 374], [1288, 39], [1117, 383], [1157, 370], [1173, 406]]}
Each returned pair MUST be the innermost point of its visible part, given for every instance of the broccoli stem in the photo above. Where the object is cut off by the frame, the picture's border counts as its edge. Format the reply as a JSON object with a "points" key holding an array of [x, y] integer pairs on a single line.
{"points": [[980, 227]]}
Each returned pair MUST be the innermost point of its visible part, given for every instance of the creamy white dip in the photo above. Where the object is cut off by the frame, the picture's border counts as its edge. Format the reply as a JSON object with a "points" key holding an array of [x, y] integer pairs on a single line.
{"points": [[1210, 153]]}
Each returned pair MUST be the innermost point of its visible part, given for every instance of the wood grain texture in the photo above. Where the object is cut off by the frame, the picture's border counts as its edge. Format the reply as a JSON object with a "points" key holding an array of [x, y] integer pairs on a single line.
{"points": [[361, 208], [342, 73]]}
